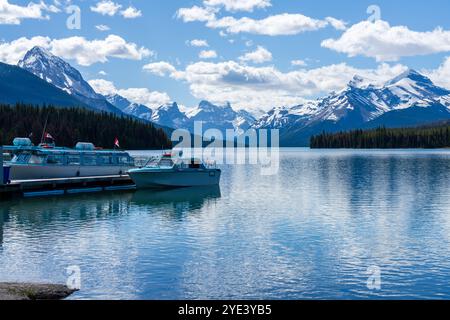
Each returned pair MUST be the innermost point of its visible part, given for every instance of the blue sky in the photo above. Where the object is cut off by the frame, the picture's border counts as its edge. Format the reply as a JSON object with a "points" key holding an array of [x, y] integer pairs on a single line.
{"points": [[259, 53]]}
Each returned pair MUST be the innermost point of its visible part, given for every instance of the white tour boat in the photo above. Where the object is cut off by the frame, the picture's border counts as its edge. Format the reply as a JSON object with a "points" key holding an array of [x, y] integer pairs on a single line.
{"points": [[49, 162]]}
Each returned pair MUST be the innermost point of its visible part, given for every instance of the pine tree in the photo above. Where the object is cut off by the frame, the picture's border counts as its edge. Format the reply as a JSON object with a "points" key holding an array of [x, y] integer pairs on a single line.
{"points": [[69, 126]]}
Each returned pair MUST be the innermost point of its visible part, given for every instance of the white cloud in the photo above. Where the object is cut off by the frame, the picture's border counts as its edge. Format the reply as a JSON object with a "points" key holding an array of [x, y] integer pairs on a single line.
{"points": [[14, 14], [103, 73], [239, 5], [282, 24], [110, 8], [260, 55], [102, 27], [145, 96], [106, 7], [12, 52], [161, 68], [207, 54], [275, 25], [336, 23], [138, 95], [257, 88], [441, 76], [299, 63], [196, 13], [103, 87], [385, 43], [84, 52], [131, 13], [89, 52], [199, 43]]}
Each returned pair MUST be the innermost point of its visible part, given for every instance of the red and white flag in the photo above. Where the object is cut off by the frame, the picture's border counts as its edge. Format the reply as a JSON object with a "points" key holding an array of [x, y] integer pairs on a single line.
{"points": [[49, 136], [116, 143]]}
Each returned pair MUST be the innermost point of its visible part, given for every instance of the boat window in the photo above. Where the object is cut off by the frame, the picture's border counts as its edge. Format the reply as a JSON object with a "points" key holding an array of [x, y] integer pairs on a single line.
{"points": [[89, 160], [20, 158], [166, 163], [123, 160], [105, 160], [152, 162], [36, 159], [73, 160], [55, 159]]}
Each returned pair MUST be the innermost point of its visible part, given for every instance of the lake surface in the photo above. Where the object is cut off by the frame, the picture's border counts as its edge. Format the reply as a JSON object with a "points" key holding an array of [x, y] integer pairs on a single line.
{"points": [[313, 231]]}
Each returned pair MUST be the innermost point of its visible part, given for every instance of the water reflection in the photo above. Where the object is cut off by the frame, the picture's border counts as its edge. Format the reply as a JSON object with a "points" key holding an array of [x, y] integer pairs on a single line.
{"points": [[309, 232], [195, 197], [34, 215], [177, 202]]}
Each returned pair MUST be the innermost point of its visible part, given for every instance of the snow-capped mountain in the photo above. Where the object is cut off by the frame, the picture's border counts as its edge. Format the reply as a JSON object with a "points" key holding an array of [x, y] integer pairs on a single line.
{"points": [[19, 85], [408, 99], [130, 108], [139, 111], [368, 102], [169, 115], [62, 75], [243, 121], [211, 116], [219, 117], [118, 101], [281, 117]]}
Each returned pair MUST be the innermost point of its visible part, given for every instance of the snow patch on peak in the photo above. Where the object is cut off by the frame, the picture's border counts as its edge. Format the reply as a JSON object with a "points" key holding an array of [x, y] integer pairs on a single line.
{"points": [[58, 72], [409, 75]]}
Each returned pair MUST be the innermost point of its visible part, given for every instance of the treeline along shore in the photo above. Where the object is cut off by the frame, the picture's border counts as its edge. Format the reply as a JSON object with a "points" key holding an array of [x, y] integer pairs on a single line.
{"points": [[71, 125], [426, 137]]}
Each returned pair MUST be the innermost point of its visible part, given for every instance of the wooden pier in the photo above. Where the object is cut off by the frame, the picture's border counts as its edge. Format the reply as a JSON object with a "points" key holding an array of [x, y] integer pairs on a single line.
{"points": [[52, 187]]}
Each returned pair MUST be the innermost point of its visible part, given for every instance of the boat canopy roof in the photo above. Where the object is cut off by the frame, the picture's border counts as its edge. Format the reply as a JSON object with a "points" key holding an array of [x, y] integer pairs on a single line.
{"points": [[25, 145], [85, 146], [22, 142]]}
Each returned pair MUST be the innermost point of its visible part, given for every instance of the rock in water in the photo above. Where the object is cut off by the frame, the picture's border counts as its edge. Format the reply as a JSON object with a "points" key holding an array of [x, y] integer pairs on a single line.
{"points": [[29, 291]]}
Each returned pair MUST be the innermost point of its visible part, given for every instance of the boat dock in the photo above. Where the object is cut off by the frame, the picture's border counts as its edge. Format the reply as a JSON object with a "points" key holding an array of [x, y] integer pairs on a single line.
{"points": [[53, 187], [50, 187]]}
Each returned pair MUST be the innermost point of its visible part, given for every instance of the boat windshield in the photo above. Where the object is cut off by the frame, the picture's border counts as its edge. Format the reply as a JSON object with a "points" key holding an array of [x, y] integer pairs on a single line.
{"points": [[26, 158], [21, 158], [191, 164], [36, 159], [166, 163]]}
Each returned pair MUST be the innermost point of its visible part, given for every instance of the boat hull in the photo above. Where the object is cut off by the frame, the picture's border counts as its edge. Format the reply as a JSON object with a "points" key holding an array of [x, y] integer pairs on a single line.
{"points": [[158, 179], [37, 172]]}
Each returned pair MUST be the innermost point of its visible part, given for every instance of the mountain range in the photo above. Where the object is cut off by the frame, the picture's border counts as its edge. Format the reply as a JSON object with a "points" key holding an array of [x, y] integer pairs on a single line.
{"points": [[407, 100]]}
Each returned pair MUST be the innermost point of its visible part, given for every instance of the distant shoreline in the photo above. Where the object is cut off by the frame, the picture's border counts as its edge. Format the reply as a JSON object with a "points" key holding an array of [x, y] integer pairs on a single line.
{"points": [[435, 136]]}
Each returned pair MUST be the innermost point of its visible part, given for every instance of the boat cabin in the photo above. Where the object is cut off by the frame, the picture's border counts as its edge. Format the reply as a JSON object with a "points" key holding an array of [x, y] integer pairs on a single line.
{"points": [[167, 162], [84, 154]]}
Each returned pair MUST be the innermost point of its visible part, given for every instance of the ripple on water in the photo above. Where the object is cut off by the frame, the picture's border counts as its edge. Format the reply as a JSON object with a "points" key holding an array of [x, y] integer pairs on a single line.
{"points": [[311, 231]]}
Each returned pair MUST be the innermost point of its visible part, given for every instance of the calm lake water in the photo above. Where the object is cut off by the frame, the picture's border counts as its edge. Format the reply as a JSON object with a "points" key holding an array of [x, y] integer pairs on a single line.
{"points": [[311, 231]]}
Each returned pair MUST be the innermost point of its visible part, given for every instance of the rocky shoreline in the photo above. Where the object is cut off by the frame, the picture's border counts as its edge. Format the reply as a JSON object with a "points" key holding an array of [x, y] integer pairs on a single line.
{"points": [[30, 291]]}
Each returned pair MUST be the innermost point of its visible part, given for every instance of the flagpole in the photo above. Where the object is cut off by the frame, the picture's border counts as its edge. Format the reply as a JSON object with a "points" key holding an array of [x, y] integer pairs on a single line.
{"points": [[45, 128]]}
